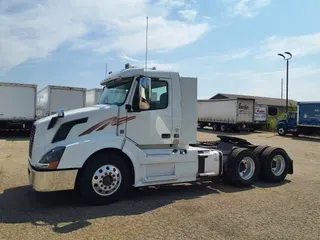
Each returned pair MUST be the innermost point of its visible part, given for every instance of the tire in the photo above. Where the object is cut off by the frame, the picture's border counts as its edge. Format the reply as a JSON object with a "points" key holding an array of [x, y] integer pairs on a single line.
{"points": [[295, 134], [119, 183], [215, 127], [259, 150], [281, 130], [201, 125], [274, 164], [234, 166], [223, 128]]}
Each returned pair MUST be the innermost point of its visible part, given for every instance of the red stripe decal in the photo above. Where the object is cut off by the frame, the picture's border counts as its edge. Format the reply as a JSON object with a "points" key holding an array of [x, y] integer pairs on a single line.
{"points": [[114, 121]]}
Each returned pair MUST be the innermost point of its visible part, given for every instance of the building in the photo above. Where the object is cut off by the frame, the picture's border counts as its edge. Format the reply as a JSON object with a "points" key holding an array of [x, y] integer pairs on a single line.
{"points": [[275, 105]]}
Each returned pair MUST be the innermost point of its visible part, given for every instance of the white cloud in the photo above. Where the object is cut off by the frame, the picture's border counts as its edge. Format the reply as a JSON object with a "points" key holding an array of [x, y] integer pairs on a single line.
{"points": [[39, 28], [298, 45], [173, 3], [234, 55], [188, 14], [249, 8]]}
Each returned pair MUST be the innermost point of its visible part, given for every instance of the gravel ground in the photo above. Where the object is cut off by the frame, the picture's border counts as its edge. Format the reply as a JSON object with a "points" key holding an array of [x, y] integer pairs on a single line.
{"points": [[203, 210]]}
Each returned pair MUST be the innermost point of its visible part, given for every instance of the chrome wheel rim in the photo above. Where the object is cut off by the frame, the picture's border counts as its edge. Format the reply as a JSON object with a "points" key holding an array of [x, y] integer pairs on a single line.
{"points": [[281, 130], [278, 165], [106, 180], [246, 168]]}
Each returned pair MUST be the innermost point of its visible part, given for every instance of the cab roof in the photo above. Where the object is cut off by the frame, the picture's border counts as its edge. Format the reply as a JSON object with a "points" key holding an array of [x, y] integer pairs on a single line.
{"points": [[132, 72]]}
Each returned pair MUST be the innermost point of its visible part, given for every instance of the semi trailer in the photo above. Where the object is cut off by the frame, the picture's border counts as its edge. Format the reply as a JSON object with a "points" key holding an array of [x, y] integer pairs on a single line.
{"points": [[260, 117], [227, 114], [53, 98], [142, 133], [306, 120], [93, 96], [17, 106]]}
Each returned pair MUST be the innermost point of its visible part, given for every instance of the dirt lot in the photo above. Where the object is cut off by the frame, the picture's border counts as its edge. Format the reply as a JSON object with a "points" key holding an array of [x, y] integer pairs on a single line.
{"points": [[204, 210]]}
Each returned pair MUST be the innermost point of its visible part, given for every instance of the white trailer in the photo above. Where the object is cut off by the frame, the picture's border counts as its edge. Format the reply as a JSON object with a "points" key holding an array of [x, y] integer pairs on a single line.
{"points": [[93, 96], [17, 106], [52, 99], [135, 140], [260, 117], [226, 114]]}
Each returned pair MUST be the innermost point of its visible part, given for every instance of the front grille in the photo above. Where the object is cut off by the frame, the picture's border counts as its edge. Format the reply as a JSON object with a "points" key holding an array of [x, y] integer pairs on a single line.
{"points": [[32, 134]]}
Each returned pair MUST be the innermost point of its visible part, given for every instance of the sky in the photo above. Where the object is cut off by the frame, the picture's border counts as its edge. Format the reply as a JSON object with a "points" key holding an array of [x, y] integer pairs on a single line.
{"points": [[231, 46]]}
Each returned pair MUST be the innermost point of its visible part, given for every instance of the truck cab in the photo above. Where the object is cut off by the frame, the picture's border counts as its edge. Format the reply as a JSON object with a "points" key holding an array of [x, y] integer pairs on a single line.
{"points": [[143, 132], [288, 125]]}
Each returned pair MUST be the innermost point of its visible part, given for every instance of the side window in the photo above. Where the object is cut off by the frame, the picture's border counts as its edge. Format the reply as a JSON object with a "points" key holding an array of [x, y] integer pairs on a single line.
{"points": [[159, 96]]}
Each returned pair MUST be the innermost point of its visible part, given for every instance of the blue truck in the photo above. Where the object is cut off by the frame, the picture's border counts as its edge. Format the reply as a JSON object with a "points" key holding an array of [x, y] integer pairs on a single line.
{"points": [[305, 121]]}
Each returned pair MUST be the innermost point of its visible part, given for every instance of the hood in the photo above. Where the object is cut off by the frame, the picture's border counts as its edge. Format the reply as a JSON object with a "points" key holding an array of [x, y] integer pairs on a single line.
{"points": [[282, 121], [76, 125]]}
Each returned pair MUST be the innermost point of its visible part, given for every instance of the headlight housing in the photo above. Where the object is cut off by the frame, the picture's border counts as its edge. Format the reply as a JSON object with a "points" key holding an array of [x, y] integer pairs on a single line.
{"points": [[51, 159]]}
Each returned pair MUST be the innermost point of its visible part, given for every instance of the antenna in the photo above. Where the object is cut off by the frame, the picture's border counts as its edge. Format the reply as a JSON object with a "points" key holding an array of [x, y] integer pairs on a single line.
{"points": [[146, 64]]}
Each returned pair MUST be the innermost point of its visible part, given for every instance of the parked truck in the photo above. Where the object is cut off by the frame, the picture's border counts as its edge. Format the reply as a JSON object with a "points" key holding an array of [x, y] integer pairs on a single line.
{"points": [[52, 98], [17, 106], [93, 96], [260, 117], [305, 121], [226, 115], [134, 140]]}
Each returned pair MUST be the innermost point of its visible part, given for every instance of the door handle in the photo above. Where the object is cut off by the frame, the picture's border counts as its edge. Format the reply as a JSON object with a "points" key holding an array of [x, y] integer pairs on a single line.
{"points": [[165, 135]]}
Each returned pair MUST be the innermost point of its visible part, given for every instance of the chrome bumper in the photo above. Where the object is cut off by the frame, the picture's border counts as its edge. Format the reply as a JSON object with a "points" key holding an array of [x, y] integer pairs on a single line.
{"points": [[47, 181]]}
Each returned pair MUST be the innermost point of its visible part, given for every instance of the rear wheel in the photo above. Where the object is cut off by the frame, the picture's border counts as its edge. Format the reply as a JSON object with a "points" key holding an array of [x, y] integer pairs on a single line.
{"points": [[223, 128], [215, 127], [105, 179], [243, 167], [259, 150], [296, 134], [274, 164]]}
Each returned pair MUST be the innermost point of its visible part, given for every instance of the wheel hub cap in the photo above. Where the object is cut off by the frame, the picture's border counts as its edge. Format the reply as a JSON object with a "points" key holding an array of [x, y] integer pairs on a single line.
{"points": [[246, 168], [278, 165], [106, 180]]}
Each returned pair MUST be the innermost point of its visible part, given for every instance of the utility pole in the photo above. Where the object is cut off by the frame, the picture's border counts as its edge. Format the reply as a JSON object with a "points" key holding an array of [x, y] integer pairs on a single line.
{"points": [[281, 88], [287, 85]]}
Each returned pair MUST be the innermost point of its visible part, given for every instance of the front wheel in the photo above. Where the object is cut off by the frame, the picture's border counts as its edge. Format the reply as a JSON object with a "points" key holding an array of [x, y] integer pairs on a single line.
{"points": [[243, 167], [105, 179], [281, 130]]}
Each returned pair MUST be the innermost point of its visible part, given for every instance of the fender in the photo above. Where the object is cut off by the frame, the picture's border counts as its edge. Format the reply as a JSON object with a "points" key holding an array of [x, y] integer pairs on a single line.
{"points": [[77, 153], [136, 156]]}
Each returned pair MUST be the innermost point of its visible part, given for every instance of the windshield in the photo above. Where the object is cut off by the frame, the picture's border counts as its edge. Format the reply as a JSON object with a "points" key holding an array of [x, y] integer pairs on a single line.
{"points": [[116, 92]]}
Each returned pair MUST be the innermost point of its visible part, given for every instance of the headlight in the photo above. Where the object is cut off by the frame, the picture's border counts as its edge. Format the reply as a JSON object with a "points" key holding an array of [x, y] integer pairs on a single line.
{"points": [[51, 159]]}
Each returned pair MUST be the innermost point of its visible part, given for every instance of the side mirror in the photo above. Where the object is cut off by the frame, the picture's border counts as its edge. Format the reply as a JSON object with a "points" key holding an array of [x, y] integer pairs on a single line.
{"points": [[144, 93]]}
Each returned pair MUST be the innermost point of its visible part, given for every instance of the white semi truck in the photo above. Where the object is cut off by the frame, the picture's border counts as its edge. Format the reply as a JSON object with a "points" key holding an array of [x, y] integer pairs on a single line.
{"points": [[17, 106], [142, 133]]}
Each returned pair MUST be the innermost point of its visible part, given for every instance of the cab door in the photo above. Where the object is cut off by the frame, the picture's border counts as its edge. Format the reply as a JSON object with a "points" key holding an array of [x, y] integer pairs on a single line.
{"points": [[151, 126]]}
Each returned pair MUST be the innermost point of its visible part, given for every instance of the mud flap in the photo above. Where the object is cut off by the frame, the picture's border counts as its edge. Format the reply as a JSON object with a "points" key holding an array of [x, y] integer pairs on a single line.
{"points": [[290, 167]]}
